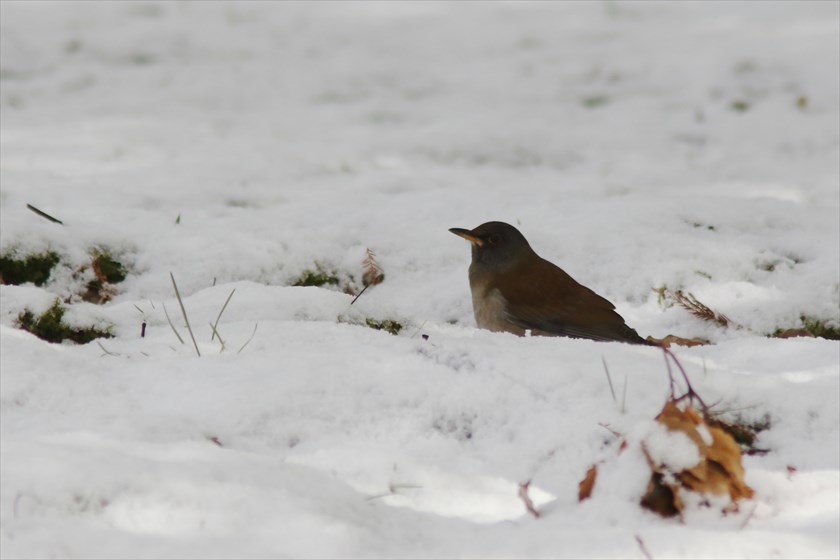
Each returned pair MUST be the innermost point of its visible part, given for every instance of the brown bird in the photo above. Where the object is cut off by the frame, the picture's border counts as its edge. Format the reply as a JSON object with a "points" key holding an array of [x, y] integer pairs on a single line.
{"points": [[515, 290]]}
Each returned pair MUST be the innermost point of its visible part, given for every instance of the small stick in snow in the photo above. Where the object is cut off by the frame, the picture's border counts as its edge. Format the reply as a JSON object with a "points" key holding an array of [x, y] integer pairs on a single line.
{"points": [[44, 215], [643, 548], [359, 294], [748, 517], [143, 329], [523, 495], [609, 379]]}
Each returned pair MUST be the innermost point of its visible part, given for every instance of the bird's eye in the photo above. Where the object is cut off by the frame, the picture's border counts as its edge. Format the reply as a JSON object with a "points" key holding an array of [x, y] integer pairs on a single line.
{"points": [[494, 239]]}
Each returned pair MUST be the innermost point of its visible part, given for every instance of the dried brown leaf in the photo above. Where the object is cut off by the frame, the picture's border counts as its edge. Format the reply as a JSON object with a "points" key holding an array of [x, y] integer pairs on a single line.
{"points": [[718, 472], [662, 498], [585, 486], [678, 340]]}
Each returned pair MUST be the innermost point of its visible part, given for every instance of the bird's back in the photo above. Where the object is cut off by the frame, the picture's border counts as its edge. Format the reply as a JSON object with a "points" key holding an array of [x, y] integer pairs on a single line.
{"points": [[549, 302]]}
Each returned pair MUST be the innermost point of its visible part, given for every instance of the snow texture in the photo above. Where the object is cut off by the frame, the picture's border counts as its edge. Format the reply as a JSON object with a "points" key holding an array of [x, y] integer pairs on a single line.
{"points": [[687, 145]]}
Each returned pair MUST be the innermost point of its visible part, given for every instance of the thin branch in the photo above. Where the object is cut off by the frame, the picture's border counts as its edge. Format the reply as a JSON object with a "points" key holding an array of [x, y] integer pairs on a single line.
{"points": [[216, 324], [609, 379], [643, 548], [359, 294], [523, 495], [748, 517], [184, 313], [690, 392], [44, 215]]}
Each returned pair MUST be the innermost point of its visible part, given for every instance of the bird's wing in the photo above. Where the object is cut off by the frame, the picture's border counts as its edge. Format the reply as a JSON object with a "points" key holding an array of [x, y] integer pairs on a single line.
{"points": [[556, 304]]}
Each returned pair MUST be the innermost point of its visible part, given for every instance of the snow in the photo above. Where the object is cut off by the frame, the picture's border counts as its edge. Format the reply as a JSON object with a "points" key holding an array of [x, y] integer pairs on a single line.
{"points": [[691, 145]]}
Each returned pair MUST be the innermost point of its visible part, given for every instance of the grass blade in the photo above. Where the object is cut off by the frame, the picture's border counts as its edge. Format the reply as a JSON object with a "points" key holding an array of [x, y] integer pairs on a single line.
{"points": [[216, 324], [165, 312], [250, 339], [216, 334], [184, 313]]}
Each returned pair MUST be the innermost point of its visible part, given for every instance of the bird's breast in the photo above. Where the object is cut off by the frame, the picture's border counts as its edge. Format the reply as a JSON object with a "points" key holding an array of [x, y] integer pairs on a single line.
{"points": [[490, 308]]}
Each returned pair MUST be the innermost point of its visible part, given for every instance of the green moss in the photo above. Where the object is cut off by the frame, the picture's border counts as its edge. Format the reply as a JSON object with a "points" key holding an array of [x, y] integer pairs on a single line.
{"points": [[34, 268], [703, 226], [740, 106], [49, 326], [318, 277], [109, 269], [387, 325], [594, 101], [818, 327]]}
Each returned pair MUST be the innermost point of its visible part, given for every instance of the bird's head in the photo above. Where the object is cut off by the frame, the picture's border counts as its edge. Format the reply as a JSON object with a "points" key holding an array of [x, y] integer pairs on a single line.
{"points": [[495, 244]]}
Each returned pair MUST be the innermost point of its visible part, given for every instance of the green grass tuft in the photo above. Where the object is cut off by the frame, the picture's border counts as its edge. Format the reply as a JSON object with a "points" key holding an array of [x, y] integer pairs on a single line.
{"points": [[387, 325], [109, 268], [595, 101], [318, 277], [35, 268], [49, 326], [740, 106], [821, 328]]}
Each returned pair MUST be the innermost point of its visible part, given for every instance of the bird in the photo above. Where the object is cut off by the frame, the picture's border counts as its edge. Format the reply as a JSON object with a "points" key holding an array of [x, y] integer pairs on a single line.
{"points": [[515, 290]]}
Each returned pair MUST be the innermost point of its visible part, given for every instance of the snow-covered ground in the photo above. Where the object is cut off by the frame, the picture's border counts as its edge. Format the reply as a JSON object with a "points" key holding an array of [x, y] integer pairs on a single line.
{"points": [[690, 145]]}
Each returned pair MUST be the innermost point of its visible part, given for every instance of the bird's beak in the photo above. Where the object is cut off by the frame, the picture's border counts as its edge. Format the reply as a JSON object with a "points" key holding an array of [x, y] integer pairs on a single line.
{"points": [[465, 233]]}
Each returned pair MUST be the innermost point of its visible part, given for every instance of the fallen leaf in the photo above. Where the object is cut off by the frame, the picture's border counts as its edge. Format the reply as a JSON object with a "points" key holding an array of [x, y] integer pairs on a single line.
{"points": [[719, 472], [585, 486]]}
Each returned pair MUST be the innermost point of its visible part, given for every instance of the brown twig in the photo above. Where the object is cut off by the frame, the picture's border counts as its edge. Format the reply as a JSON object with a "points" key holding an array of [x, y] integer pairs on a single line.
{"points": [[643, 548], [359, 294], [523, 495], [690, 392]]}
